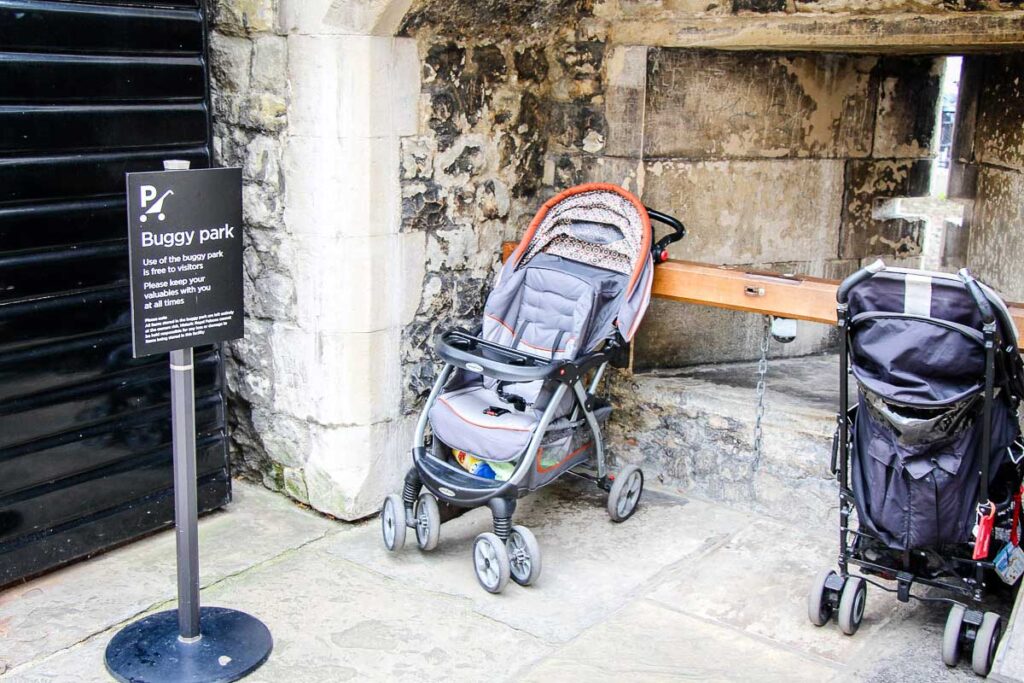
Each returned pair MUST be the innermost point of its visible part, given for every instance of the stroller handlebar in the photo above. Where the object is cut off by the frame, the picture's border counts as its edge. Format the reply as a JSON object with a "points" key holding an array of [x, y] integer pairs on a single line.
{"points": [[659, 252], [984, 305], [865, 273]]}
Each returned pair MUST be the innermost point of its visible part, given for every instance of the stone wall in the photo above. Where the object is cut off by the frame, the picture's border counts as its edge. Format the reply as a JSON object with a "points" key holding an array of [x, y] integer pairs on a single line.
{"points": [[248, 58], [989, 168], [382, 174]]}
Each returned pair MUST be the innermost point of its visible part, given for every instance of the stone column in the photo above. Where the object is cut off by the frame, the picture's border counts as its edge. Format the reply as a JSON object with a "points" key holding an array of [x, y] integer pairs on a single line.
{"points": [[327, 417]]}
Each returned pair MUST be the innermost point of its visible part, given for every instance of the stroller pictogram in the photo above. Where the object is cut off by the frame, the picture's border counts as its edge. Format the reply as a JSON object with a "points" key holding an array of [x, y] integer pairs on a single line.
{"points": [[157, 208]]}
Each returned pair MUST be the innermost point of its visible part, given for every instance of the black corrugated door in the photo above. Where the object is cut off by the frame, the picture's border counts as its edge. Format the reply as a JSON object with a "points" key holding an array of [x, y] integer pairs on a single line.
{"points": [[88, 91]]}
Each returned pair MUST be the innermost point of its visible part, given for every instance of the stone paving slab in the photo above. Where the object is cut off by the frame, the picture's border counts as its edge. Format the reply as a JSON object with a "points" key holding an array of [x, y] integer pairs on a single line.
{"points": [[649, 642], [65, 607], [591, 566]]}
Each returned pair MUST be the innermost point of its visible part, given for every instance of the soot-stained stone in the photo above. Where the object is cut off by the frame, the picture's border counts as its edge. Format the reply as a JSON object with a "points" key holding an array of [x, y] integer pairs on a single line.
{"points": [[425, 210], [763, 6], [582, 60], [490, 64], [443, 112], [868, 181], [531, 64], [469, 161], [575, 126], [444, 63]]}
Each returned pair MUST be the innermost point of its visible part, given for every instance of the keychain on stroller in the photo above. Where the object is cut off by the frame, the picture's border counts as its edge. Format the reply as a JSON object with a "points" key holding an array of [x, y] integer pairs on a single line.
{"points": [[1009, 562]]}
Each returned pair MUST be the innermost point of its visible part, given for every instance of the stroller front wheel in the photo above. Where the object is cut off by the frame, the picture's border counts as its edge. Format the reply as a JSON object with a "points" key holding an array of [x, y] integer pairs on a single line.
{"points": [[392, 522], [985, 643], [819, 601], [951, 635], [851, 604], [523, 555], [625, 493], [490, 562], [428, 522]]}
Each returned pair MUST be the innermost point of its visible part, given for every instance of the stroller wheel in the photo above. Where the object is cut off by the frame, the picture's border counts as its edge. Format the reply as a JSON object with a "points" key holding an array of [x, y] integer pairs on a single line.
{"points": [[625, 493], [986, 642], [819, 606], [490, 561], [951, 635], [428, 522], [851, 604], [392, 522], [523, 555]]}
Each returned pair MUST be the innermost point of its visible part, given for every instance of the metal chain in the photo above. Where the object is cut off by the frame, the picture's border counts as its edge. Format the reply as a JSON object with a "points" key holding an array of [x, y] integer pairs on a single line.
{"points": [[762, 371]]}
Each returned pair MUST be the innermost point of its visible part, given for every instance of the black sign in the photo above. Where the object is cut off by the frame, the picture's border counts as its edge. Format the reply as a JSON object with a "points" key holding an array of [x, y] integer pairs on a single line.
{"points": [[185, 247]]}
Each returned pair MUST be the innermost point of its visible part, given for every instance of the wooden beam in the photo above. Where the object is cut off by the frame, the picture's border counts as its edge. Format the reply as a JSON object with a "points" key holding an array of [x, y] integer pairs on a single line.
{"points": [[936, 33], [798, 297]]}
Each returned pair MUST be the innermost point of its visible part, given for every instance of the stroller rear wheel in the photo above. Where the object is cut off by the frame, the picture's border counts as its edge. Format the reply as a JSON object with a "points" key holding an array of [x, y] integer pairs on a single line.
{"points": [[819, 601], [951, 635], [851, 604], [490, 561], [523, 555], [625, 493], [985, 643], [392, 522], [428, 521]]}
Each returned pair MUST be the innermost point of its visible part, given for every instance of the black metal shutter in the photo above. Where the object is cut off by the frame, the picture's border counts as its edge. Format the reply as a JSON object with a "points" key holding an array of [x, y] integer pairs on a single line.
{"points": [[88, 91]]}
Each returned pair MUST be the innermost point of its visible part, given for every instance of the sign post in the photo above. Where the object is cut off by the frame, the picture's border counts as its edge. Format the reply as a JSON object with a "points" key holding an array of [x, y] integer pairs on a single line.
{"points": [[185, 252]]}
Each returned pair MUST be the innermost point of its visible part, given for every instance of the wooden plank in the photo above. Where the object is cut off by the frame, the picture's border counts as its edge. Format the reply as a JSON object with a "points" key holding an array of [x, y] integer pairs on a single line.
{"points": [[798, 297]]}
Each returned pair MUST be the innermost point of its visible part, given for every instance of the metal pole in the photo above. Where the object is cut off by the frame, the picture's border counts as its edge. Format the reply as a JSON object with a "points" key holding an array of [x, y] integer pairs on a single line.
{"points": [[186, 504], [186, 497]]}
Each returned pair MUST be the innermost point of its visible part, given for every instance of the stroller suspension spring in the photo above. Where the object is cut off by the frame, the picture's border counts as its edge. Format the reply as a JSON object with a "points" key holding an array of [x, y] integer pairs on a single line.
{"points": [[410, 492], [502, 527]]}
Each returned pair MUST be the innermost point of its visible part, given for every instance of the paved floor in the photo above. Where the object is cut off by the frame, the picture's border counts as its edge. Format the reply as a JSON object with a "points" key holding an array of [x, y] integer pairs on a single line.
{"points": [[686, 589]]}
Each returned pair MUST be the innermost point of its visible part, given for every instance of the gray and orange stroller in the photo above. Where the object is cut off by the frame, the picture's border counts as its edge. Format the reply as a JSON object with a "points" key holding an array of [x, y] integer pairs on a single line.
{"points": [[514, 406]]}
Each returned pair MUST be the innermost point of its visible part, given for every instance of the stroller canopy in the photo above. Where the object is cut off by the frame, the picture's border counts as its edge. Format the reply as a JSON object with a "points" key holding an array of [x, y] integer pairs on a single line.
{"points": [[596, 232], [901, 357]]}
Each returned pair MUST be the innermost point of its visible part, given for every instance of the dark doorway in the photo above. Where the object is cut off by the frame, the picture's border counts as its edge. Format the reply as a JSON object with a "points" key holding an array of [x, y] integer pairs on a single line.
{"points": [[89, 91]]}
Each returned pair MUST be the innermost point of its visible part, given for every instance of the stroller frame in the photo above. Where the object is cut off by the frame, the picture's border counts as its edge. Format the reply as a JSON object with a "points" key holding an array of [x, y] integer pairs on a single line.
{"points": [[449, 483], [968, 626]]}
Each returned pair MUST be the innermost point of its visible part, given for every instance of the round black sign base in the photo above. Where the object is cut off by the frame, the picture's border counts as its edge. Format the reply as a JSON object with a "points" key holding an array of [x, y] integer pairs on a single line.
{"points": [[233, 644]]}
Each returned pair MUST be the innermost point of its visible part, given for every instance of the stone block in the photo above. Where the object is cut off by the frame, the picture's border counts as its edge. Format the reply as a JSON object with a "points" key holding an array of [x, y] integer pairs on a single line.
{"points": [[332, 379], [358, 284], [869, 183], [626, 75], [342, 17], [351, 469], [230, 60], [871, 6], [704, 105], [908, 95], [347, 186], [1000, 126], [353, 86], [996, 240], [244, 17], [270, 63], [750, 211]]}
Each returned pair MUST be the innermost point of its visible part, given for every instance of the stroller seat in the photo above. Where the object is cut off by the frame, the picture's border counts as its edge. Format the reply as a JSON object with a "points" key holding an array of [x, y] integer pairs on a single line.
{"points": [[551, 310]]}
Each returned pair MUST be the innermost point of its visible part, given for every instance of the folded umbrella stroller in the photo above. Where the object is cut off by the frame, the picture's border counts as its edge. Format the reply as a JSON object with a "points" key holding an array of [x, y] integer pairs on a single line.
{"points": [[929, 457], [514, 406]]}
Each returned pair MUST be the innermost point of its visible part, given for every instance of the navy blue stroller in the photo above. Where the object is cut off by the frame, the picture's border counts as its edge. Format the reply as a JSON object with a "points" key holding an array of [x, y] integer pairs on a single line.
{"points": [[929, 456]]}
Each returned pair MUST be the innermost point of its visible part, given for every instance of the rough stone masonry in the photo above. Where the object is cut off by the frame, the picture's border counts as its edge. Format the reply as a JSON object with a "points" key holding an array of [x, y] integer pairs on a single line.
{"points": [[390, 146]]}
